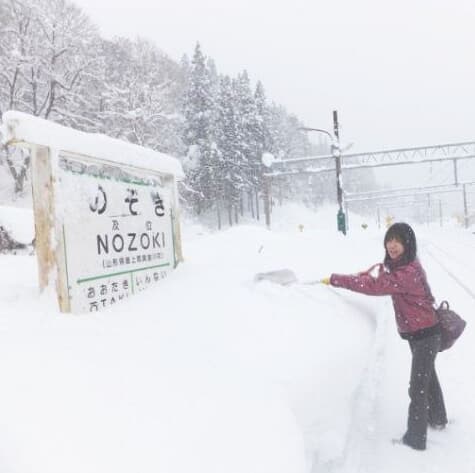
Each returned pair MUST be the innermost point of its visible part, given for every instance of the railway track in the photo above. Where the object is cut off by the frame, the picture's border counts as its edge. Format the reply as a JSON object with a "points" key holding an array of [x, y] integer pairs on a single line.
{"points": [[458, 266]]}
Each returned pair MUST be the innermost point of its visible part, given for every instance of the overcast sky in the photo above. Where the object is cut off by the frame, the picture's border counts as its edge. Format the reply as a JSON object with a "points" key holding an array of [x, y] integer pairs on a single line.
{"points": [[400, 73]]}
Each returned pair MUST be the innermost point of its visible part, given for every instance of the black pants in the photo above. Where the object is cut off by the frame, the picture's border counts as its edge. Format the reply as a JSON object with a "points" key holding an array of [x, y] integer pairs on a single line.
{"points": [[426, 400]]}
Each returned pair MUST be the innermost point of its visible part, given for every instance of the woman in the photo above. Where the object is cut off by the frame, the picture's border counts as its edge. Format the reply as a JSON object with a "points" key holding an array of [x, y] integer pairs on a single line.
{"points": [[403, 278]]}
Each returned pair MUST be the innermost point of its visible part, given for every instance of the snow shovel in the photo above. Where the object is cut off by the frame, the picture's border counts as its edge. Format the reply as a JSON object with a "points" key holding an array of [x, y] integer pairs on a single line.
{"points": [[284, 277]]}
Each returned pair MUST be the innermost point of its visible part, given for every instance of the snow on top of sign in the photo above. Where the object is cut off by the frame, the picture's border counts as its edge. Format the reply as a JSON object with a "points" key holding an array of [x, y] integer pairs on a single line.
{"points": [[22, 127]]}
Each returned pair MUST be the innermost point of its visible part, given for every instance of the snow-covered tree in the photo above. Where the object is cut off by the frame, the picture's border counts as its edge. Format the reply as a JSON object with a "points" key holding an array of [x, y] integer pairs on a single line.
{"points": [[248, 124], [199, 135], [53, 64], [46, 51], [227, 138], [60, 45], [261, 131], [139, 98]]}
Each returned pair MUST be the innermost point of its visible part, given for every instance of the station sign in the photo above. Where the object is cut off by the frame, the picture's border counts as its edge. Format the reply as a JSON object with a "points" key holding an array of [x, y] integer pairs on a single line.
{"points": [[117, 230]]}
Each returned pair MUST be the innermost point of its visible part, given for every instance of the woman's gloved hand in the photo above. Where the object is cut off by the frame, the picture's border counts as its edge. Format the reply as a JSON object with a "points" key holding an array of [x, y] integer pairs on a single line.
{"points": [[325, 281]]}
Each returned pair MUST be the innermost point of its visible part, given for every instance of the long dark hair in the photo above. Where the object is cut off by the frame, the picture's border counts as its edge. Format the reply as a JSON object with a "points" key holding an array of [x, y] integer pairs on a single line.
{"points": [[405, 235]]}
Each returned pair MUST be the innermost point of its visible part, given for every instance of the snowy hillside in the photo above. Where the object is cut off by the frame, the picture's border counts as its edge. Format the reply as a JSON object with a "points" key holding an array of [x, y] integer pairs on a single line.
{"points": [[213, 372]]}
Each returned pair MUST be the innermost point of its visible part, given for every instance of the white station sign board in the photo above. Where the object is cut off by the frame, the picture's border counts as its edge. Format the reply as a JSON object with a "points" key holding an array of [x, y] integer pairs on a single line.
{"points": [[117, 227], [106, 212]]}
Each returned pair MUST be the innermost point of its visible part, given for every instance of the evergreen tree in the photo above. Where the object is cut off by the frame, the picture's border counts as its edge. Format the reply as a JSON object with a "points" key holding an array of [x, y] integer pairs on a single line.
{"points": [[183, 81], [228, 137], [252, 111], [199, 114], [261, 132], [249, 124], [262, 140]]}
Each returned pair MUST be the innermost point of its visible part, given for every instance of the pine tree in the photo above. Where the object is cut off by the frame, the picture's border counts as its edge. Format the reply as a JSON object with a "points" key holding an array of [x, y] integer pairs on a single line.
{"points": [[251, 145], [227, 138], [261, 132], [249, 121], [262, 140], [199, 113]]}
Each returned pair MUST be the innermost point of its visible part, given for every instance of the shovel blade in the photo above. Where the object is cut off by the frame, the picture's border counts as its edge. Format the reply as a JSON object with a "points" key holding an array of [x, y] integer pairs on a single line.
{"points": [[283, 277]]}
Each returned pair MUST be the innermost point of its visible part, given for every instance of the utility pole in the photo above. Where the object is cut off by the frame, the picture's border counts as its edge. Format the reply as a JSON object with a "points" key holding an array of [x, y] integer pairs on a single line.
{"points": [[336, 152]]}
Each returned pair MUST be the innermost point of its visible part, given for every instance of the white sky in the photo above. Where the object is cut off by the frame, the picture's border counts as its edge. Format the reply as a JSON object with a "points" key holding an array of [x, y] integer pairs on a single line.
{"points": [[400, 73]]}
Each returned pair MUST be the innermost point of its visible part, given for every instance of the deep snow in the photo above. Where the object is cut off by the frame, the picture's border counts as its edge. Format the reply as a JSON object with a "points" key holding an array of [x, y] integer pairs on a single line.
{"points": [[212, 372]]}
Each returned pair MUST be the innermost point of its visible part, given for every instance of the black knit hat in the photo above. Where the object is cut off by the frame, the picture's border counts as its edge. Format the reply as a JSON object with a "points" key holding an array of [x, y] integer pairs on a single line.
{"points": [[403, 233]]}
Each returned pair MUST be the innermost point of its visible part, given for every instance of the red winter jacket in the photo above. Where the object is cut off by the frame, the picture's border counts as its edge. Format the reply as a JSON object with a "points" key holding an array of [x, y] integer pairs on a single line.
{"points": [[408, 287]]}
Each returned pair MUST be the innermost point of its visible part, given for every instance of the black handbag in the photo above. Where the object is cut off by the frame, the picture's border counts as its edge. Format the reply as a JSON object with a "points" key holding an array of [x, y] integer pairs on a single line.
{"points": [[451, 325]]}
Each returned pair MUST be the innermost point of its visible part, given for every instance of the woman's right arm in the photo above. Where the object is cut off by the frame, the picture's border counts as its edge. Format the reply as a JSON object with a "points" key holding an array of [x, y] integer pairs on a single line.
{"points": [[386, 284]]}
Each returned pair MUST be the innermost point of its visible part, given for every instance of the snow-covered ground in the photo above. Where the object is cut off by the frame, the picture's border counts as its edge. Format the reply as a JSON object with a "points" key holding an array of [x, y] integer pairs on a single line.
{"points": [[212, 372]]}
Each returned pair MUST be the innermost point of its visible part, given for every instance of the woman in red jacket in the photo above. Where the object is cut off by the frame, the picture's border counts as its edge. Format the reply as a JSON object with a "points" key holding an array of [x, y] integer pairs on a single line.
{"points": [[403, 278]]}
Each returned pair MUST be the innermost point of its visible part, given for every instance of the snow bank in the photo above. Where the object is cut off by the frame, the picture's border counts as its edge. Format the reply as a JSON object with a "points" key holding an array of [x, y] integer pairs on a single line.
{"points": [[208, 372], [19, 223], [212, 372]]}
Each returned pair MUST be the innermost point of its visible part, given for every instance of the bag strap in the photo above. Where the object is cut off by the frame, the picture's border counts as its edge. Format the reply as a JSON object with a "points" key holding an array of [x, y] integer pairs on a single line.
{"points": [[444, 305], [377, 265]]}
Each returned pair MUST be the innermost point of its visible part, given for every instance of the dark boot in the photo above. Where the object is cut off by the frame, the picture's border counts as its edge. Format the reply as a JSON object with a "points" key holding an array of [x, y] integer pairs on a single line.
{"points": [[417, 443], [435, 426]]}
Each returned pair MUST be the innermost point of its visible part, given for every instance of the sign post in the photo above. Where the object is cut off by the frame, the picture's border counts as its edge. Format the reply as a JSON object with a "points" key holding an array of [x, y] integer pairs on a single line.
{"points": [[105, 229]]}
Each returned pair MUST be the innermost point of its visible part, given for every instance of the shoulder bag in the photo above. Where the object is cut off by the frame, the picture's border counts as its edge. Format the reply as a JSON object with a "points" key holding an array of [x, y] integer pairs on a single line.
{"points": [[451, 324]]}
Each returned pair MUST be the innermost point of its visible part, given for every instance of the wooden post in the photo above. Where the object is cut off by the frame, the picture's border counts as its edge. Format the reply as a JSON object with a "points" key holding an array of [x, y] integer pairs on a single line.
{"points": [[250, 203], [257, 205], [267, 200], [218, 213], [49, 240], [175, 219]]}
